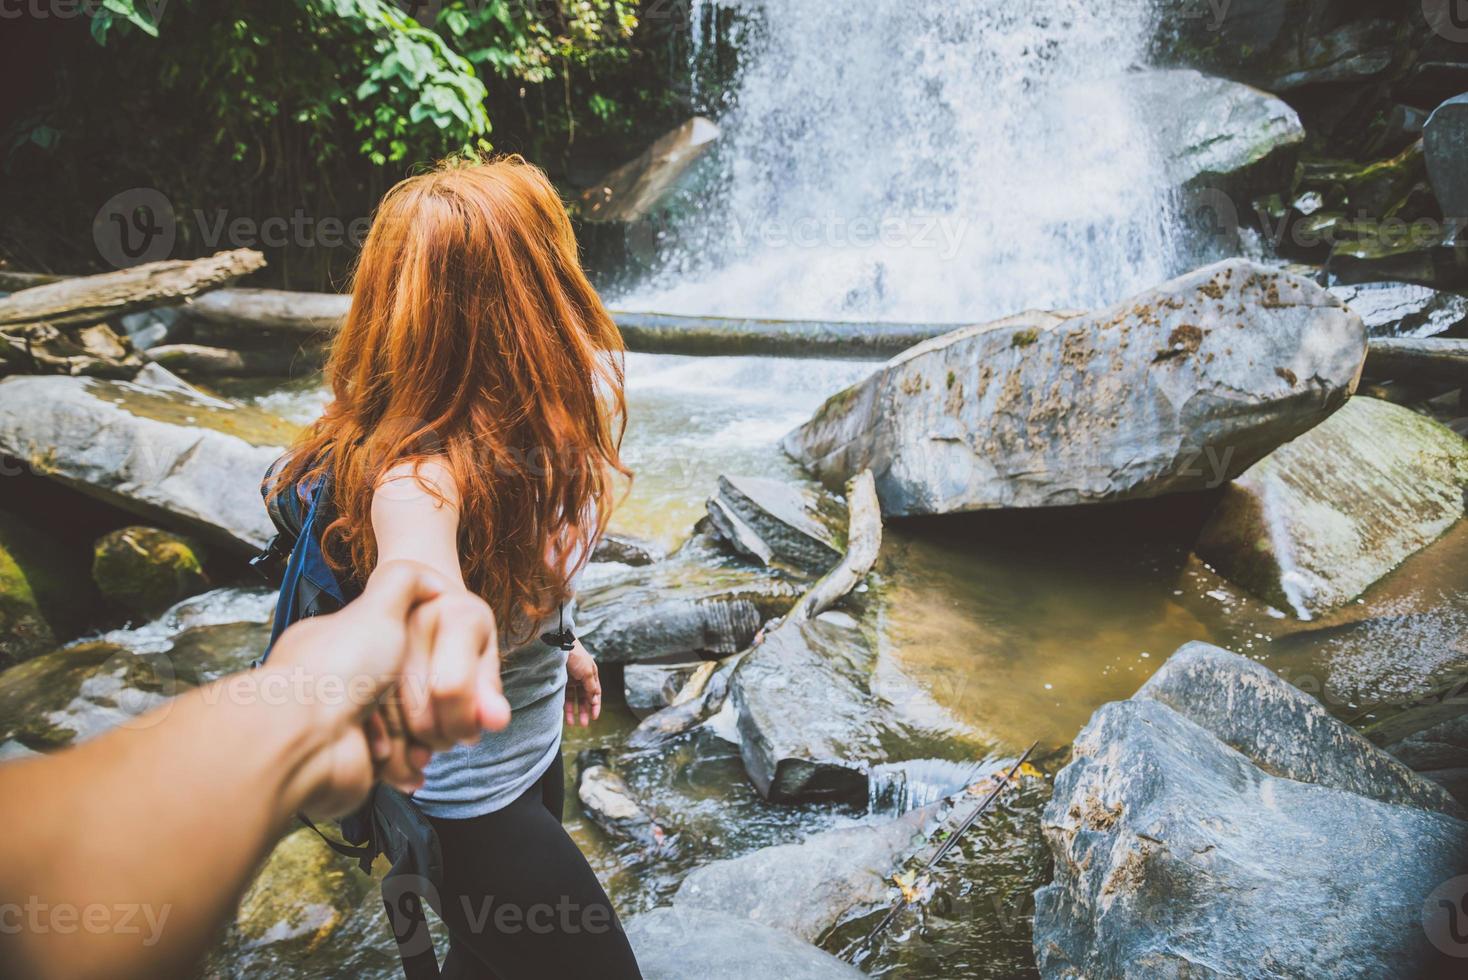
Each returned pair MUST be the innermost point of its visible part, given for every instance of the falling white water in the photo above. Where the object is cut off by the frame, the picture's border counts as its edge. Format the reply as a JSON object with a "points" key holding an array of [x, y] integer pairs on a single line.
{"points": [[939, 160]]}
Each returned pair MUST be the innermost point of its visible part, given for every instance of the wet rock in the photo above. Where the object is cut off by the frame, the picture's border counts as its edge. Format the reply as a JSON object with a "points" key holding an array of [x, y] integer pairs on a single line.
{"points": [[170, 457], [1283, 730], [626, 549], [651, 687], [80, 691], [1176, 853], [1445, 140], [1322, 518], [693, 603], [1403, 309], [1214, 133], [142, 570], [1277, 44], [776, 522], [808, 722], [1216, 369], [638, 189], [609, 803], [302, 895], [24, 632], [1430, 734], [674, 944], [807, 887]]}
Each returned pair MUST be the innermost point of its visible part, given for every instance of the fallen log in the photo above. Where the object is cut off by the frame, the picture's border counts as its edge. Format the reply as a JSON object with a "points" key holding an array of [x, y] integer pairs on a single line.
{"points": [[272, 309], [652, 333], [220, 362], [1418, 359], [91, 299]]}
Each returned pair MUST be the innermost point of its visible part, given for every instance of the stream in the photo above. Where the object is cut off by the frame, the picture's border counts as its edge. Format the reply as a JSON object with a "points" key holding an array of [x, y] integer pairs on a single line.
{"points": [[994, 631]]}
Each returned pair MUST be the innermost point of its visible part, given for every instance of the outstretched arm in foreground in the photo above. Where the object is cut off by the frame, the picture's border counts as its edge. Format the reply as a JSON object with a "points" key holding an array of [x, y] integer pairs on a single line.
{"points": [[124, 856]]}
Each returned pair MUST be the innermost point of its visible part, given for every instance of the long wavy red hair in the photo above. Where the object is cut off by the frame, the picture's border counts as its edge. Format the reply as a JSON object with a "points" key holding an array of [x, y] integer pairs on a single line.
{"points": [[475, 338]]}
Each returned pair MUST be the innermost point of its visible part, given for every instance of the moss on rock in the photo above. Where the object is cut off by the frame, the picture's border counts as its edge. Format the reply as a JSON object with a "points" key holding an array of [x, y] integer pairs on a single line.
{"points": [[24, 632], [142, 570]]}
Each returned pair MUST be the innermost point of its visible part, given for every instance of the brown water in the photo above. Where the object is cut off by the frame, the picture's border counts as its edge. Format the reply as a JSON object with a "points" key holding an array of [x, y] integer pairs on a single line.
{"points": [[993, 631]]}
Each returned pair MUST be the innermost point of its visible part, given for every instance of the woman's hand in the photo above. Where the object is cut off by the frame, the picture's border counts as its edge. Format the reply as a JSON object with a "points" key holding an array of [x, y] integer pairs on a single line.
{"points": [[583, 688]]}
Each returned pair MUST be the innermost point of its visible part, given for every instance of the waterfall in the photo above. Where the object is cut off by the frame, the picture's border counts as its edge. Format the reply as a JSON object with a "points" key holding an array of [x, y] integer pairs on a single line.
{"points": [[939, 160]]}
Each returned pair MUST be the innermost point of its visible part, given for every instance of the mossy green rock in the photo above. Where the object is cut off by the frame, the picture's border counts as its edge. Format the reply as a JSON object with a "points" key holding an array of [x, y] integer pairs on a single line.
{"points": [[142, 571], [24, 632], [1315, 523]]}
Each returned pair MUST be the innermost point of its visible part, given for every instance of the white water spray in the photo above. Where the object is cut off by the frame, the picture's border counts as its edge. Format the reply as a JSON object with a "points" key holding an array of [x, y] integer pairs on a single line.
{"points": [[935, 160]]}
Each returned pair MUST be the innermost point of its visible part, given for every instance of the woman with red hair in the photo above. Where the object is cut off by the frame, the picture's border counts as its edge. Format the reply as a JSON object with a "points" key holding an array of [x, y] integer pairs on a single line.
{"points": [[474, 428]]}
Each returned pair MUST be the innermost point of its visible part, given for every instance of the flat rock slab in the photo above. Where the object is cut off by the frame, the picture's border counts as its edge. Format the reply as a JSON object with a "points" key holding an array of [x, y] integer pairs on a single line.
{"points": [[689, 604], [1319, 520], [192, 462], [808, 723], [1282, 729], [679, 944], [1178, 855], [776, 522], [1178, 389], [808, 887]]}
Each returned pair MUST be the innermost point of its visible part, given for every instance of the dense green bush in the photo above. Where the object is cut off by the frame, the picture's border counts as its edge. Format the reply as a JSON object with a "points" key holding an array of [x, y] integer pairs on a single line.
{"points": [[311, 108]]}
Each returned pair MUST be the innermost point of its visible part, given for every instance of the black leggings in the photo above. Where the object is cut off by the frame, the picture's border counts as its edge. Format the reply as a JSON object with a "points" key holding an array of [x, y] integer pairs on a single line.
{"points": [[520, 900]]}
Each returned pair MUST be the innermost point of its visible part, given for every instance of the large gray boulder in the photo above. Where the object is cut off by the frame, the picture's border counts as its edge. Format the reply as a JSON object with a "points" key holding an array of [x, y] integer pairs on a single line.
{"points": [[776, 522], [186, 461], [1179, 855], [1177, 389], [1210, 132], [1403, 309], [807, 887], [808, 722], [1445, 142], [675, 944], [1320, 519]]}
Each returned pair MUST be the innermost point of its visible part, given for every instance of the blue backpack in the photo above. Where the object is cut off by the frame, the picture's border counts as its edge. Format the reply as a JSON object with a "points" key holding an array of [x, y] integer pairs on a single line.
{"points": [[389, 823]]}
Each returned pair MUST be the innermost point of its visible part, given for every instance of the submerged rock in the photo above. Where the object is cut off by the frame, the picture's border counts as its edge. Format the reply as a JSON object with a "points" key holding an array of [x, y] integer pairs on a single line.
{"points": [[80, 691], [1403, 309], [693, 603], [808, 722], [772, 521], [626, 550], [1176, 853], [167, 456], [1178, 389], [675, 944], [142, 570], [1320, 519], [609, 803], [807, 887]]}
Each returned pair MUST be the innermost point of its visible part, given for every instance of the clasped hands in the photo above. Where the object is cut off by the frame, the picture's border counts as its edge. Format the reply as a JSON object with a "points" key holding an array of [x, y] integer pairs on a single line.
{"points": [[421, 662]]}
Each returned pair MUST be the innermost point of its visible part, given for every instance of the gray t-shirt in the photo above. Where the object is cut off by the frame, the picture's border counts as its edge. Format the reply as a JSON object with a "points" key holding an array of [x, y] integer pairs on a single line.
{"points": [[471, 780]]}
